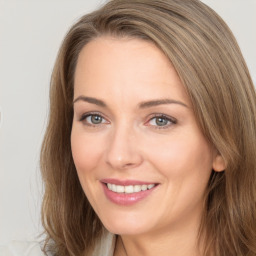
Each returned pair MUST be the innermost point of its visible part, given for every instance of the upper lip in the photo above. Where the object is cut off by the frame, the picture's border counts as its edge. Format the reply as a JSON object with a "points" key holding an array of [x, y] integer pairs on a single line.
{"points": [[126, 182]]}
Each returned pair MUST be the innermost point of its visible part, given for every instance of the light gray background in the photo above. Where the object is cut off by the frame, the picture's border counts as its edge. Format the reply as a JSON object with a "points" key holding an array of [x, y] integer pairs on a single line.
{"points": [[30, 34]]}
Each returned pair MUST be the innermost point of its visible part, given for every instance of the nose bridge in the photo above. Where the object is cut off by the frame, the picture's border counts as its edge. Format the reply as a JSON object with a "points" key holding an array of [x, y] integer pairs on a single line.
{"points": [[122, 150]]}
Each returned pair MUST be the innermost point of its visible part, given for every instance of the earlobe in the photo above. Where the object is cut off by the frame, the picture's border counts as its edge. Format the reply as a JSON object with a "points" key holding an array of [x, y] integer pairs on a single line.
{"points": [[219, 164]]}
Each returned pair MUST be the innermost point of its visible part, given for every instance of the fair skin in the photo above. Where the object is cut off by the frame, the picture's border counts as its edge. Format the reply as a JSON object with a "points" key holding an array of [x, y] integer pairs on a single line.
{"points": [[133, 121]]}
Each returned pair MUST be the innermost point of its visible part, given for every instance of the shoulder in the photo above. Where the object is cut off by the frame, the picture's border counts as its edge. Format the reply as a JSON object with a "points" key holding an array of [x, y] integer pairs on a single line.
{"points": [[21, 248]]}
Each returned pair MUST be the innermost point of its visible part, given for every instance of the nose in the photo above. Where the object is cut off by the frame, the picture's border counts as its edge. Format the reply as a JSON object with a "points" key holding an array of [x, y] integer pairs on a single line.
{"points": [[122, 150]]}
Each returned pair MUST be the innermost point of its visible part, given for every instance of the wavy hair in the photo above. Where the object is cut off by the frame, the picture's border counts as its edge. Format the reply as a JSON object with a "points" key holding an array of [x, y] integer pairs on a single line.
{"points": [[209, 62]]}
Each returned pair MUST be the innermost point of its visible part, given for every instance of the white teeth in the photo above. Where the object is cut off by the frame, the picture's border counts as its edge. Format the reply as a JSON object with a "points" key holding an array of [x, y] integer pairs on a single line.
{"points": [[119, 189], [144, 187], [137, 188], [129, 189], [113, 187], [151, 186]]}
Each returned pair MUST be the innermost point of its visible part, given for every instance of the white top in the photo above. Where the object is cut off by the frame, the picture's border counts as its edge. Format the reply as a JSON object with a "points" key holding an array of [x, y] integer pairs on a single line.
{"points": [[32, 248]]}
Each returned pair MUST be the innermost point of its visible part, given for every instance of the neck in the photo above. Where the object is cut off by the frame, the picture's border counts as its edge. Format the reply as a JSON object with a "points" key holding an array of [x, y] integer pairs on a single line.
{"points": [[177, 242]]}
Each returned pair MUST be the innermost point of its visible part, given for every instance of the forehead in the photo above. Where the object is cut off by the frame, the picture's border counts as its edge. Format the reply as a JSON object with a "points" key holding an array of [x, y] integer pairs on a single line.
{"points": [[125, 67]]}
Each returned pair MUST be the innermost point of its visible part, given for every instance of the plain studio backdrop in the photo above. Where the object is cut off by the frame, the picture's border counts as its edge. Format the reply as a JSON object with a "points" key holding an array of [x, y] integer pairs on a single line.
{"points": [[31, 32]]}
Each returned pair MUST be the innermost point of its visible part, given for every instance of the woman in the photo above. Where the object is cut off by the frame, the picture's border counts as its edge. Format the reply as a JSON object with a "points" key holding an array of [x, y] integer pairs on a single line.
{"points": [[151, 135], [150, 144]]}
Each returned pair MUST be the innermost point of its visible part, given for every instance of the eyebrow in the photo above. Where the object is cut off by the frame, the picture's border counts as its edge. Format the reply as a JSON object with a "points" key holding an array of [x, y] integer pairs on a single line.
{"points": [[142, 105], [91, 100], [153, 103]]}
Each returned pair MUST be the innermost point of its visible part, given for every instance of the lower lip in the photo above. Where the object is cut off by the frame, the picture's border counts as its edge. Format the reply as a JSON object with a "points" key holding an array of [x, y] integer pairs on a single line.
{"points": [[126, 199]]}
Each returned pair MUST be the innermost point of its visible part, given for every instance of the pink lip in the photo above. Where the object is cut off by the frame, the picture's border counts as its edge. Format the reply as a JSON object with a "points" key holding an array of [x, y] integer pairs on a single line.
{"points": [[122, 198]]}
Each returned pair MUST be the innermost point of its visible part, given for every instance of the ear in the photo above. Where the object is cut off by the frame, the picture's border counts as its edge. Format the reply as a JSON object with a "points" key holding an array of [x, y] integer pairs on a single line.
{"points": [[218, 164]]}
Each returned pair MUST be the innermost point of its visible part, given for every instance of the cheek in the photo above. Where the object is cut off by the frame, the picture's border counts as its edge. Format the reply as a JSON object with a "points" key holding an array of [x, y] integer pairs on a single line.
{"points": [[185, 162], [182, 155], [86, 151]]}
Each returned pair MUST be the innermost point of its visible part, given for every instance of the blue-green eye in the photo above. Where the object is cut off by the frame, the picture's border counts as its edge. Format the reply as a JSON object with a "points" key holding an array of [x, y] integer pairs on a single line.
{"points": [[162, 121], [93, 119]]}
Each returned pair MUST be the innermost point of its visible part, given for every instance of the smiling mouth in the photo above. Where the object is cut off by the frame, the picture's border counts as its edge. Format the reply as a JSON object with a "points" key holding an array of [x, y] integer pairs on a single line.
{"points": [[127, 192], [129, 189]]}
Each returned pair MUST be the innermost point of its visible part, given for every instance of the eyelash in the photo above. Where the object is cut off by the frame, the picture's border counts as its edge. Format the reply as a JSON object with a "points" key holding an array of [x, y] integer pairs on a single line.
{"points": [[169, 119]]}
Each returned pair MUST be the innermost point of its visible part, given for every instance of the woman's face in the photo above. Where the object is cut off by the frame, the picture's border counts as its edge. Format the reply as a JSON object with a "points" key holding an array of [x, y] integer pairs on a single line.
{"points": [[141, 158]]}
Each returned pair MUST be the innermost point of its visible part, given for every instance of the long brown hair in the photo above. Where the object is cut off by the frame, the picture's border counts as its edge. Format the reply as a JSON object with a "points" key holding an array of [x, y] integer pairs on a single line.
{"points": [[208, 60]]}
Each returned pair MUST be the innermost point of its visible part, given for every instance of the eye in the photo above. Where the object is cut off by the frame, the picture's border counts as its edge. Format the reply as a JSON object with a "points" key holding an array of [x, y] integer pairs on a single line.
{"points": [[161, 121], [93, 119]]}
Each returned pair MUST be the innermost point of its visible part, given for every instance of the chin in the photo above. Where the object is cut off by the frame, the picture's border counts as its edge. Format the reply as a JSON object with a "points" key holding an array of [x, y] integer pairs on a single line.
{"points": [[126, 230], [127, 226]]}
